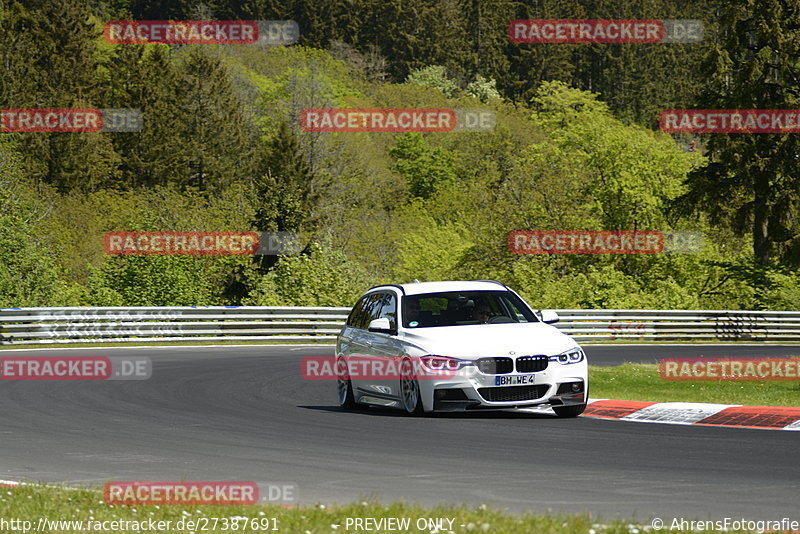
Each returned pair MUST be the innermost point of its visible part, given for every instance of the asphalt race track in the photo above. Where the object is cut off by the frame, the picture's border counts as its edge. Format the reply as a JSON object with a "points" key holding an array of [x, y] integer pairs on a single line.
{"points": [[244, 413]]}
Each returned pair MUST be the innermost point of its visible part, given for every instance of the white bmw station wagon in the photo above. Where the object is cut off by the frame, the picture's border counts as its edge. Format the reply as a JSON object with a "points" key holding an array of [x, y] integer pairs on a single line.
{"points": [[456, 346]]}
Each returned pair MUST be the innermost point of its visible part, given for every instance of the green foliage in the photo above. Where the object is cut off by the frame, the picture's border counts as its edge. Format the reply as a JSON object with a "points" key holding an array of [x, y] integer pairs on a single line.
{"points": [[289, 79], [600, 286], [322, 276], [283, 193], [427, 169], [483, 89], [753, 66], [150, 281], [632, 174], [49, 57], [221, 150], [435, 252], [217, 139], [28, 273], [772, 286], [434, 76], [782, 292], [155, 156]]}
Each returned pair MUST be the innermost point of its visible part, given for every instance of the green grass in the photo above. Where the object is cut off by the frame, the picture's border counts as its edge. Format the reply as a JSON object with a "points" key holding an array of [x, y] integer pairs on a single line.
{"points": [[30, 503], [634, 381]]}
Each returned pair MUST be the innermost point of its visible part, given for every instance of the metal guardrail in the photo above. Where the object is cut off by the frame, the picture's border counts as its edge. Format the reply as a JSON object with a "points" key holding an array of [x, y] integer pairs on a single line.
{"points": [[681, 325], [181, 323], [20, 326]]}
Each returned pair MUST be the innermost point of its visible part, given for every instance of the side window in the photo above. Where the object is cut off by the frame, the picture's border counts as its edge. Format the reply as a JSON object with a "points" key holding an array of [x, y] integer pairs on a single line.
{"points": [[358, 317], [373, 308], [389, 308]]}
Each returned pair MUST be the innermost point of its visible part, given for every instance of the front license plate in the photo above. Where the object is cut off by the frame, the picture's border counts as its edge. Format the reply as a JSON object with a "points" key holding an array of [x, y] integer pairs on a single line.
{"points": [[516, 380]]}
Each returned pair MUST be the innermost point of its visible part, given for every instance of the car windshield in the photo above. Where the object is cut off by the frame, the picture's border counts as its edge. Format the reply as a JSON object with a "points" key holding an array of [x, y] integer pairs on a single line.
{"points": [[464, 308]]}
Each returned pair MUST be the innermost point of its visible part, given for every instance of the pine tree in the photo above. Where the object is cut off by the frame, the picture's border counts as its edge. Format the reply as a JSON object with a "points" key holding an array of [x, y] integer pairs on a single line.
{"points": [[49, 60], [209, 116], [145, 79], [283, 192], [752, 180]]}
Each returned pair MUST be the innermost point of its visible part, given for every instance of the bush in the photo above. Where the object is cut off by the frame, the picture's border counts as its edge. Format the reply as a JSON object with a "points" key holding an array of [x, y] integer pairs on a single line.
{"points": [[323, 276], [483, 89], [151, 281], [435, 252], [427, 169], [28, 272], [433, 76]]}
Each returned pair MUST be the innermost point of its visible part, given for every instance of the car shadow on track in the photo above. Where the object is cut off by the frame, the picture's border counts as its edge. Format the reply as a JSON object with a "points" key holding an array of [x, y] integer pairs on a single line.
{"points": [[481, 414]]}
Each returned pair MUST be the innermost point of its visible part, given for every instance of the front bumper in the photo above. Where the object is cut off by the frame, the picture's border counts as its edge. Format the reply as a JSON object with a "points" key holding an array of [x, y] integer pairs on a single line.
{"points": [[469, 389]]}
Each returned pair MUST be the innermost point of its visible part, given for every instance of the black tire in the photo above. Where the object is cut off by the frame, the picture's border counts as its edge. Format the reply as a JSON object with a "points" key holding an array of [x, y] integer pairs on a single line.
{"points": [[344, 387], [573, 411], [409, 391], [569, 411]]}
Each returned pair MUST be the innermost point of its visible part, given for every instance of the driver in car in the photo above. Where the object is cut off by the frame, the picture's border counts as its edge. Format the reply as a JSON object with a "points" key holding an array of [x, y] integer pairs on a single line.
{"points": [[412, 312], [481, 312]]}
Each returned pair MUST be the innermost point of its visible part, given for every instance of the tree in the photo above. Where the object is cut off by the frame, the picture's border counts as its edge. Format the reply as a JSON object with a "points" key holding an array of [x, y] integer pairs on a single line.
{"points": [[427, 169], [434, 76], [219, 140], [283, 192], [324, 276], [632, 173], [434, 252], [146, 79], [754, 65], [49, 59], [150, 281], [28, 272], [483, 89]]}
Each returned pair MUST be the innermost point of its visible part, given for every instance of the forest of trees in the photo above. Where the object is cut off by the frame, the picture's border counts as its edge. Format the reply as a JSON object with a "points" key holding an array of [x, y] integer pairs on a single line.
{"points": [[576, 146]]}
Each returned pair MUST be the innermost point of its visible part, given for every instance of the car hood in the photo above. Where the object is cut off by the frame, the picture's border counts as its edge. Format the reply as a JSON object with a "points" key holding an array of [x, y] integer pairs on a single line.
{"points": [[476, 341]]}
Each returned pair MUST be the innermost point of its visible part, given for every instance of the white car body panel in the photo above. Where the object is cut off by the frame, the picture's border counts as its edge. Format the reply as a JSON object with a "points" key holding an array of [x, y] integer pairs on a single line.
{"points": [[468, 342], [489, 340]]}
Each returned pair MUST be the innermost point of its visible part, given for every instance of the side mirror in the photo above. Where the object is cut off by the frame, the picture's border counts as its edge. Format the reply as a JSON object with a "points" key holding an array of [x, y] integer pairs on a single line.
{"points": [[381, 325], [549, 316]]}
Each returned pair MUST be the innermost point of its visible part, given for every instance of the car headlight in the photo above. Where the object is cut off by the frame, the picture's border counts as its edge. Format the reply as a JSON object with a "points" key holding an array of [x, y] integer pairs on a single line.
{"points": [[443, 363], [575, 355]]}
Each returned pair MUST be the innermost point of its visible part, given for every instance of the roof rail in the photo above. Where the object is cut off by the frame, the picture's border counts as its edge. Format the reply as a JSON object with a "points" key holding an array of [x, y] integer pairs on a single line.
{"points": [[493, 282], [398, 286]]}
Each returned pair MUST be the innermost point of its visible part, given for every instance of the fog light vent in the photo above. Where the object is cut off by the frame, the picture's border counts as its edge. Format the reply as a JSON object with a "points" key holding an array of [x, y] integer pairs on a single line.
{"points": [[570, 387]]}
